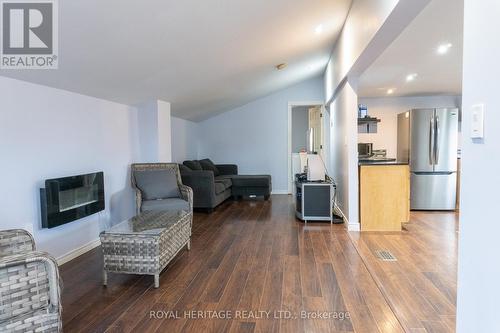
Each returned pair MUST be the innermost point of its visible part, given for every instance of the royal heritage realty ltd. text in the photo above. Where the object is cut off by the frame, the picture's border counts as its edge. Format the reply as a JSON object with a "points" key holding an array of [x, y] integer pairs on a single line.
{"points": [[248, 314]]}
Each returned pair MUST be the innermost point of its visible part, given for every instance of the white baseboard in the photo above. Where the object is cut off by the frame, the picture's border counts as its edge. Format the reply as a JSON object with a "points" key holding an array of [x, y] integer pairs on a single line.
{"points": [[78, 251], [279, 192], [350, 226], [354, 227]]}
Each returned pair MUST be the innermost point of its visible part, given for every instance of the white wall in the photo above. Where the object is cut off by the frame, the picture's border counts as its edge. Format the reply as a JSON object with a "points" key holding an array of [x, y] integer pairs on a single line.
{"points": [[184, 140], [255, 136], [479, 248], [343, 157], [48, 133], [155, 131], [164, 132], [387, 110], [148, 139]]}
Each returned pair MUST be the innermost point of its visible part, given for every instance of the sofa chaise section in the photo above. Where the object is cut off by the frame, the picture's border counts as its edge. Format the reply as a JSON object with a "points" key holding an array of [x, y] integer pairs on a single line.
{"points": [[252, 185]]}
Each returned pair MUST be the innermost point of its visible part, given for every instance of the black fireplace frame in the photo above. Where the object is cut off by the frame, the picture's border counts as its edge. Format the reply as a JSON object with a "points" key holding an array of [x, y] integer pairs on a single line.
{"points": [[53, 216]]}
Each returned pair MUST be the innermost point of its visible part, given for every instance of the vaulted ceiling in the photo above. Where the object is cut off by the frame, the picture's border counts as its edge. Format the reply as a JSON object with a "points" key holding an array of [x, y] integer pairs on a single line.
{"points": [[204, 57], [415, 51]]}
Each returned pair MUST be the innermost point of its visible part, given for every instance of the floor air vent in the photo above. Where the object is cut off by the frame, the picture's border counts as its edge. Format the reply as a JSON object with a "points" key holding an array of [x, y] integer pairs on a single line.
{"points": [[385, 255]]}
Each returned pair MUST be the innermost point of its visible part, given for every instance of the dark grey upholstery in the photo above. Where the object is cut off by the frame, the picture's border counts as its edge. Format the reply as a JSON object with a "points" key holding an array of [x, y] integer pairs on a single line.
{"points": [[165, 204], [204, 188], [193, 165], [258, 185], [251, 180], [183, 168], [219, 188], [227, 169], [210, 190], [208, 165], [225, 180], [157, 184]]}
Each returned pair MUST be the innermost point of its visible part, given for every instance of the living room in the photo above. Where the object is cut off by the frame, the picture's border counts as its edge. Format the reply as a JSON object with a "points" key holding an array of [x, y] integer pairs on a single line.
{"points": [[136, 100]]}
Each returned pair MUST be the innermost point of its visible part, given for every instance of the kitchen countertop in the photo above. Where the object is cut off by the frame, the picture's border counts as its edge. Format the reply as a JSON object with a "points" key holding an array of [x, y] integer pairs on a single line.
{"points": [[388, 161]]}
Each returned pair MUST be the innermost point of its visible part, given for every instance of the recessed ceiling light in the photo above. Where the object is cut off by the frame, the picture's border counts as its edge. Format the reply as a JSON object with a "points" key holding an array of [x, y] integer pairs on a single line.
{"points": [[319, 29], [444, 48], [281, 66], [411, 77], [390, 91]]}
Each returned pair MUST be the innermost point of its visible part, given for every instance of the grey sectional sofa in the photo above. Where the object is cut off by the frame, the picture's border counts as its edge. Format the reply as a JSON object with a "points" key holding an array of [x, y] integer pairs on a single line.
{"points": [[213, 183], [210, 188]]}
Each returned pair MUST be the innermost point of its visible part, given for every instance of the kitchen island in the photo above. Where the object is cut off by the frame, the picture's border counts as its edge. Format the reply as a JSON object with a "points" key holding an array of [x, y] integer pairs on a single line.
{"points": [[384, 195]]}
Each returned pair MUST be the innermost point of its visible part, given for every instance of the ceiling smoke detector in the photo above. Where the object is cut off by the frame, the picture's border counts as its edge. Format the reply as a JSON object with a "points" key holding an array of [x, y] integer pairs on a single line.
{"points": [[281, 66]]}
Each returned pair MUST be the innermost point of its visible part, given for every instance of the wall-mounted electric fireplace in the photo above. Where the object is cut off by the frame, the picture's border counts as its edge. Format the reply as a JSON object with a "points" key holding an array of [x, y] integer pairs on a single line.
{"points": [[70, 198]]}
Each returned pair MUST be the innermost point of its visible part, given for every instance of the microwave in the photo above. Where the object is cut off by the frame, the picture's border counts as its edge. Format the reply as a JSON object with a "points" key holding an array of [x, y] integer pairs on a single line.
{"points": [[365, 149]]}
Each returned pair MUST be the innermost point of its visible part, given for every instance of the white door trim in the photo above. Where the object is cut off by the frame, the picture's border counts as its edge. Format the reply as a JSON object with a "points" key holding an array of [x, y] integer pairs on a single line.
{"points": [[289, 152]]}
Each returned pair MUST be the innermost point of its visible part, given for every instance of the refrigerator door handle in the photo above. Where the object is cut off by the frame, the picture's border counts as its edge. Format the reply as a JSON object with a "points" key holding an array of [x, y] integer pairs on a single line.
{"points": [[436, 141], [431, 141]]}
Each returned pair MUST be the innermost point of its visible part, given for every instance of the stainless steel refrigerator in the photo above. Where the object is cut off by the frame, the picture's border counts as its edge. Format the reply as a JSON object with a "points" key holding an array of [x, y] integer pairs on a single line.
{"points": [[427, 139]]}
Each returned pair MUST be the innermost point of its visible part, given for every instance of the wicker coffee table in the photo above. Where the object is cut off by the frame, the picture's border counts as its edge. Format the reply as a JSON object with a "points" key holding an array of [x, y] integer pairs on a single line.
{"points": [[146, 243]]}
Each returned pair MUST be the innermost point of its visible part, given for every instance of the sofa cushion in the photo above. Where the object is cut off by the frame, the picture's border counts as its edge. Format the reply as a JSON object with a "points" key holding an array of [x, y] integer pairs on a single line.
{"points": [[165, 204], [207, 164], [193, 165], [224, 180], [219, 187], [157, 184], [183, 168]]}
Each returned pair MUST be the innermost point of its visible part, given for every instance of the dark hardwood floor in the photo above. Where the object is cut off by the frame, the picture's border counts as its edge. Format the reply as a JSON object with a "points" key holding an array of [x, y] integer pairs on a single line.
{"points": [[253, 262]]}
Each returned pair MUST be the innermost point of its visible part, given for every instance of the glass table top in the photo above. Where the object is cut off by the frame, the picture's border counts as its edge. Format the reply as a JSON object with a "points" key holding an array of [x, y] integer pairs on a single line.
{"points": [[148, 223]]}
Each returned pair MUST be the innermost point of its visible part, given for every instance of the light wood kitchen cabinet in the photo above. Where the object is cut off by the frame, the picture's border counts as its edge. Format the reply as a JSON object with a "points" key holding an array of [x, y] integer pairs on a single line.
{"points": [[384, 196]]}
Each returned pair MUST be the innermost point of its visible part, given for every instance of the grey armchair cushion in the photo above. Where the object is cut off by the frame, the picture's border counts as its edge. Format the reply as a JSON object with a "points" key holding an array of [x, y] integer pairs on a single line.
{"points": [[193, 165], [208, 165], [165, 204], [157, 184]]}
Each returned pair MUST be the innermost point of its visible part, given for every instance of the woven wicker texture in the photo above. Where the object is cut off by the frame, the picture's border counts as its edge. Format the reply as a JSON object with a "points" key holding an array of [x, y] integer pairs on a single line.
{"points": [[186, 191], [141, 253], [15, 241], [29, 287]]}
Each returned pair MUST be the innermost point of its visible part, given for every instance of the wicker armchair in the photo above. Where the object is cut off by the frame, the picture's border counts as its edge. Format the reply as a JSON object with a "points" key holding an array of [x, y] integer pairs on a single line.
{"points": [[30, 297], [185, 191]]}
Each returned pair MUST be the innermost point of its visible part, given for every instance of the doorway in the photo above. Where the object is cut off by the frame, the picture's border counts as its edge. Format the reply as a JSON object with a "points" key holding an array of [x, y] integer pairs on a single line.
{"points": [[308, 124]]}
